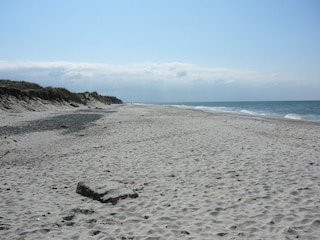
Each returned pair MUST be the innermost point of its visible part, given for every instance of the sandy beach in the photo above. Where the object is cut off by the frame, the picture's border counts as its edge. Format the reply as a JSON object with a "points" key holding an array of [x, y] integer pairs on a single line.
{"points": [[197, 175]]}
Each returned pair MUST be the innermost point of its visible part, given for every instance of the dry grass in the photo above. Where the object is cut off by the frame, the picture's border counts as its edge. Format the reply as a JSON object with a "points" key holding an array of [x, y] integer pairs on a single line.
{"points": [[23, 90]]}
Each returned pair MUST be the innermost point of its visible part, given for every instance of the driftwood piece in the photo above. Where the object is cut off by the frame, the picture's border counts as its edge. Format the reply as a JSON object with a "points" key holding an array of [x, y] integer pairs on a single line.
{"points": [[104, 195]]}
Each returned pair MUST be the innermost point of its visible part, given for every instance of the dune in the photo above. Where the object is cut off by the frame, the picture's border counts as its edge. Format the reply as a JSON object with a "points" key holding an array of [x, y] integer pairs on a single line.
{"points": [[196, 175], [19, 96]]}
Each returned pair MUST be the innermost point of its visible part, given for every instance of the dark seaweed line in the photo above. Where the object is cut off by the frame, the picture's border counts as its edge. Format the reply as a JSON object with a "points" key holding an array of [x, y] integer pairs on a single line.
{"points": [[68, 122]]}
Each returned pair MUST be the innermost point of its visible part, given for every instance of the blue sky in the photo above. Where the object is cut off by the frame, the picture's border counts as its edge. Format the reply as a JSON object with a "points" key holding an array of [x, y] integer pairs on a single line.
{"points": [[165, 50]]}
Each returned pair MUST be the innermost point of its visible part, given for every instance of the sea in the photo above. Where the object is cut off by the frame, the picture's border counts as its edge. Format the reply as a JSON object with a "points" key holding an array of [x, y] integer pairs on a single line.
{"points": [[298, 110]]}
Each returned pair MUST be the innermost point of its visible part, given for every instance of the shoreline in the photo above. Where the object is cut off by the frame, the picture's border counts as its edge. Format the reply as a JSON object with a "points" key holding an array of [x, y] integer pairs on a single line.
{"points": [[249, 116], [295, 110], [198, 175]]}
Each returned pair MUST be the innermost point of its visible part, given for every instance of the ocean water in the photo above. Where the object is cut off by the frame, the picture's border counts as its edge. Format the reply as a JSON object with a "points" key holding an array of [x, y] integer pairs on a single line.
{"points": [[299, 110]]}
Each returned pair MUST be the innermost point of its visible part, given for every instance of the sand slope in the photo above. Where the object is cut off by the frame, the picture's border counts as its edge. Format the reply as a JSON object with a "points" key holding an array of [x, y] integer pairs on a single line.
{"points": [[198, 176]]}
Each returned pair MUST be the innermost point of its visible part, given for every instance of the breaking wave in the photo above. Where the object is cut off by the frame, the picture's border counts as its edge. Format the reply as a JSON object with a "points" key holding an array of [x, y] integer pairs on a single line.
{"points": [[293, 116], [296, 110]]}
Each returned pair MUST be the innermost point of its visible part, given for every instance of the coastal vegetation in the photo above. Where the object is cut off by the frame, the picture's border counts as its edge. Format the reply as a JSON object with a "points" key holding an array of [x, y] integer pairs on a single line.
{"points": [[26, 91]]}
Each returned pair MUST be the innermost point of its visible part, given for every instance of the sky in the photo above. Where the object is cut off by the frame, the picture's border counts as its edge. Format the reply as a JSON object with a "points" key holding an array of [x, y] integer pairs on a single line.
{"points": [[165, 50]]}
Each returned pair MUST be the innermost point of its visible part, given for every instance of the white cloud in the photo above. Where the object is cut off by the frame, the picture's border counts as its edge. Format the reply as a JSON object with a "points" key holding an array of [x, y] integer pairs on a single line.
{"points": [[157, 78], [165, 72]]}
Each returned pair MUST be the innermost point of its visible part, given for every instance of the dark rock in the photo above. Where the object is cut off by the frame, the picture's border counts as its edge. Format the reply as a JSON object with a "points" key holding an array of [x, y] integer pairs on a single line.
{"points": [[185, 232], [96, 232], [109, 193], [4, 226], [68, 218], [84, 190], [92, 220], [83, 211], [221, 234]]}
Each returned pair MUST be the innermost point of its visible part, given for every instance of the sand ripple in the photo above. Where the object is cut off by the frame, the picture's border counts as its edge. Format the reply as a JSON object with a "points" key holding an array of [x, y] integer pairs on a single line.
{"points": [[198, 176]]}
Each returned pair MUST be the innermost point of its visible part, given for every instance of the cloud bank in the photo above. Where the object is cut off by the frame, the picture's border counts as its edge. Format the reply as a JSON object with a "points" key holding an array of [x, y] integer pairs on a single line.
{"points": [[164, 82]]}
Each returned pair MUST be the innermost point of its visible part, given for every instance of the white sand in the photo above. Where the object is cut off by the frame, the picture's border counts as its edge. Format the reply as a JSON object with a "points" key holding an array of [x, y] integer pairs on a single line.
{"points": [[198, 176]]}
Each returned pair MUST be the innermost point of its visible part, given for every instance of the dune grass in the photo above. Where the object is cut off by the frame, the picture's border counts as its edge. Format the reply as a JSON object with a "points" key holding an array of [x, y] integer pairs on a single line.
{"points": [[23, 90]]}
